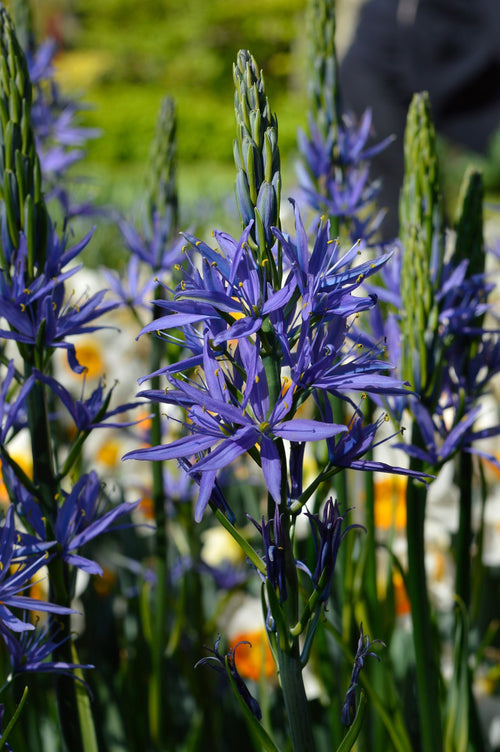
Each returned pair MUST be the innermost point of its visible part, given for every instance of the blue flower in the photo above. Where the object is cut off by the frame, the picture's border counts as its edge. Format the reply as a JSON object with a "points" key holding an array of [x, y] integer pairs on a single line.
{"points": [[12, 413], [226, 663], [30, 650], [231, 288], [12, 583], [152, 245], [127, 287], [349, 448], [334, 173], [79, 518], [59, 139], [36, 309], [327, 535], [229, 427], [325, 276], [231, 406], [440, 442], [92, 412], [274, 551], [348, 712]]}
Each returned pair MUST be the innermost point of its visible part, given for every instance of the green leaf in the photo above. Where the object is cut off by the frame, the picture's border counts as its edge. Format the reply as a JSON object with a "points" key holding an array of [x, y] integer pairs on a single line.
{"points": [[241, 541], [456, 727], [89, 738], [14, 718]]}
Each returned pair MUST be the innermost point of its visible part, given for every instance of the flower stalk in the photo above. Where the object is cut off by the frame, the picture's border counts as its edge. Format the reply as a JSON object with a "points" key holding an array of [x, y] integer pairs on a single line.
{"points": [[257, 158], [24, 218], [161, 212], [422, 238]]}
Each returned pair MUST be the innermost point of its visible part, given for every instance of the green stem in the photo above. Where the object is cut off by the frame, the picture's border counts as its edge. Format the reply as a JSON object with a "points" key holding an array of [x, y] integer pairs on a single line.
{"points": [[158, 687], [463, 558], [370, 571], [478, 569], [427, 670], [463, 579], [288, 649], [67, 701], [379, 679], [14, 718], [41, 446], [45, 480], [296, 704]]}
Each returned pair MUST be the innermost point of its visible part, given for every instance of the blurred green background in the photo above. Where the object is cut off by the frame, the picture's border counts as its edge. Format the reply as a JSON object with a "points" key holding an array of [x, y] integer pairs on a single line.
{"points": [[123, 56]]}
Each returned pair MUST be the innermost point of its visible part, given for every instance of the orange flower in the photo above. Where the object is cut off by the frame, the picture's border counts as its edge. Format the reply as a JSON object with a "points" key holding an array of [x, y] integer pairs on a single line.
{"points": [[147, 506], [400, 595], [390, 503], [253, 659]]}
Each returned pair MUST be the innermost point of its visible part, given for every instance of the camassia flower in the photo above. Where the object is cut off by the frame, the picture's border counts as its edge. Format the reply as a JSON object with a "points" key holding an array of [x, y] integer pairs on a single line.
{"points": [[36, 307], [79, 519], [274, 551], [363, 651], [230, 427], [11, 410], [226, 664], [152, 246], [60, 139], [441, 441], [13, 581], [92, 412], [248, 338], [334, 173], [130, 288], [30, 650], [327, 535], [230, 290]]}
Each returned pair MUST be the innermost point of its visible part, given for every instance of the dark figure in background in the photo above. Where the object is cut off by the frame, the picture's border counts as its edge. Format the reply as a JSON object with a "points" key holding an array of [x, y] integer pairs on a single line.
{"points": [[451, 48]]}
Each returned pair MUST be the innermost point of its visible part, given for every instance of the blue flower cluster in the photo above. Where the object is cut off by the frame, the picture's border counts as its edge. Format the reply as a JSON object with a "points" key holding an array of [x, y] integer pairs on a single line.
{"points": [[48, 519], [261, 351]]}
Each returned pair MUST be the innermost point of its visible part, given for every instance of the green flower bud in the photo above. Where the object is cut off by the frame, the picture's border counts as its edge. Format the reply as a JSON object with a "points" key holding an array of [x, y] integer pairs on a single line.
{"points": [[20, 176], [162, 197], [256, 155], [322, 85], [422, 238]]}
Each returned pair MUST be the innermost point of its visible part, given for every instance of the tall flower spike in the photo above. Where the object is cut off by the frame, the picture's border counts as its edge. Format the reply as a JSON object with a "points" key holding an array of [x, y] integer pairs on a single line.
{"points": [[22, 207], [22, 17], [323, 88], [256, 154], [162, 197], [422, 238]]}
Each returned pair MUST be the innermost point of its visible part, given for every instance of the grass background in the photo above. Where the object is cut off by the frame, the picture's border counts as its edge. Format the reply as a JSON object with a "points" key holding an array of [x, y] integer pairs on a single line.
{"points": [[122, 57]]}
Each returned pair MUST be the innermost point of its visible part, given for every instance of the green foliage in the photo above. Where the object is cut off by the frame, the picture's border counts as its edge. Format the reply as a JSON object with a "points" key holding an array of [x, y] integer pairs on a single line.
{"points": [[183, 48]]}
